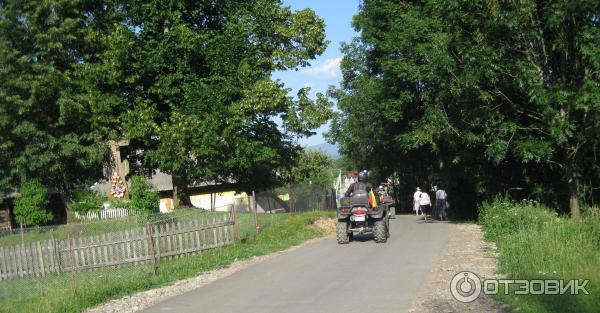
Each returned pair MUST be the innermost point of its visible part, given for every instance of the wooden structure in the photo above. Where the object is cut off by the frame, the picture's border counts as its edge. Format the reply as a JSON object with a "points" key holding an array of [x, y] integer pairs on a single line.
{"points": [[149, 244]]}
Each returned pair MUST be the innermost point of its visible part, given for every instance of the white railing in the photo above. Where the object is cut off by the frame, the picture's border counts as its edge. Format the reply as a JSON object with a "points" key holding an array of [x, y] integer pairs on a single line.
{"points": [[103, 214]]}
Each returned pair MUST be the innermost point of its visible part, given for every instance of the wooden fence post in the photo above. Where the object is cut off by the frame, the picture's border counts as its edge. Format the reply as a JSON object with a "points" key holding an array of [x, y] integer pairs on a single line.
{"points": [[21, 231], [150, 243], [41, 258], [56, 252], [254, 212], [70, 253], [235, 225]]}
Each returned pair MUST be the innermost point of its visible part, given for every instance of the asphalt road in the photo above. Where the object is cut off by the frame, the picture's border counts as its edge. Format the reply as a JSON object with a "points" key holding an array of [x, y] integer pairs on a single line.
{"points": [[326, 277]]}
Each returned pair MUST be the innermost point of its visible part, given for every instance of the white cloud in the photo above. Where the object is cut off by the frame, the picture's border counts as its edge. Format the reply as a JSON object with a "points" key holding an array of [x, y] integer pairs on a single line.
{"points": [[329, 68]]}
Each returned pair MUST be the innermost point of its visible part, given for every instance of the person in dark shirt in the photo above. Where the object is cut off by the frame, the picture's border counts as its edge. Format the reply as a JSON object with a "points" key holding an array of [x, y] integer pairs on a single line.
{"points": [[360, 187]]}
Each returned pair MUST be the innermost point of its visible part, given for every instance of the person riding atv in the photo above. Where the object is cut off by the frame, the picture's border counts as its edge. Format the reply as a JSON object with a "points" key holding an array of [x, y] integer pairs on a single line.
{"points": [[385, 198], [361, 212], [362, 186]]}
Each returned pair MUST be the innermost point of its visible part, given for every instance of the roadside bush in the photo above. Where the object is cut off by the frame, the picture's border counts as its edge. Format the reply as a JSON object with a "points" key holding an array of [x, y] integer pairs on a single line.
{"points": [[30, 205], [502, 217], [87, 200], [144, 198], [591, 212]]}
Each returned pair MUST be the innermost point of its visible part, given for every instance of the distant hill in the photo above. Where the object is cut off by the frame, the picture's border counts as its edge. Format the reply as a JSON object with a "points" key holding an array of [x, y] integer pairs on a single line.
{"points": [[329, 149]]}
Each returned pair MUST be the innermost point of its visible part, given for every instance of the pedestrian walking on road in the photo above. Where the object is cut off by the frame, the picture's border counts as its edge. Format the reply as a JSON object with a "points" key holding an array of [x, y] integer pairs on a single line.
{"points": [[416, 204], [425, 204], [440, 202]]}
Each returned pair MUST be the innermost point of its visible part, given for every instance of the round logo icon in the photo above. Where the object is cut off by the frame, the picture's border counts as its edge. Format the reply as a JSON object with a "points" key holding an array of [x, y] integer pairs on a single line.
{"points": [[465, 286]]}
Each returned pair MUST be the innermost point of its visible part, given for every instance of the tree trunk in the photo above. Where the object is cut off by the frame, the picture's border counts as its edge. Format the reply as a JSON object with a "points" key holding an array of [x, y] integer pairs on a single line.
{"points": [[573, 195], [180, 196], [175, 197]]}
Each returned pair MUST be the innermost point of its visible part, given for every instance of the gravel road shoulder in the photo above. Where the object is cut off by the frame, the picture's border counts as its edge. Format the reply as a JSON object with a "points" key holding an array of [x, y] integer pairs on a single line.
{"points": [[466, 251]]}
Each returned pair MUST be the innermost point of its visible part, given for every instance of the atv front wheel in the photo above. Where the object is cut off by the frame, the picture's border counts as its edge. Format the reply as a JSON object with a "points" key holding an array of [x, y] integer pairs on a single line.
{"points": [[380, 231], [342, 232]]}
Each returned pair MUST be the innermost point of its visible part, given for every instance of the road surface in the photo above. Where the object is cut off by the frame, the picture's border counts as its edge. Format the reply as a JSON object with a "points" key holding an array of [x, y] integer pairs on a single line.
{"points": [[362, 276]]}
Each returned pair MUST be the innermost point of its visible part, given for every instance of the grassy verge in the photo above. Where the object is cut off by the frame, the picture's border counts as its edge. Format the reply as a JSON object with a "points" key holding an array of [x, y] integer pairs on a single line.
{"points": [[75, 294], [534, 243]]}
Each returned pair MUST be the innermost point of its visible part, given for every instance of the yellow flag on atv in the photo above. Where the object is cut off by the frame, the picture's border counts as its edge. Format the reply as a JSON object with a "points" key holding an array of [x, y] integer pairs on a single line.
{"points": [[372, 199]]}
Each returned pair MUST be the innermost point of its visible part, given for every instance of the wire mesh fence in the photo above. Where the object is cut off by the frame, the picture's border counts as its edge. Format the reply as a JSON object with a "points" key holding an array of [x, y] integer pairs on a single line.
{"points": [[307, 197], [132, 249]]}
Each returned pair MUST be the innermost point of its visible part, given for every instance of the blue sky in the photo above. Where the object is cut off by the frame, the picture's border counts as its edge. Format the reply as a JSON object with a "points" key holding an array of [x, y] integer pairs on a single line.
{"points": [[324, 70]]}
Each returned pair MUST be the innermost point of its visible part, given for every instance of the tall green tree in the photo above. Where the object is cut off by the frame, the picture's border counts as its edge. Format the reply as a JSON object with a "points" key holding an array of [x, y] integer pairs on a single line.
{"points": [[189, 83], [502, 95], [313, 167], [46, 131]]}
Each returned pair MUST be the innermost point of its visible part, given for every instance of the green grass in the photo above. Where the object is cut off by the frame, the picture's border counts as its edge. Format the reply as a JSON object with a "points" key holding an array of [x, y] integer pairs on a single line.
{"points": [[534, 243], [88, 289], [246, 226]]}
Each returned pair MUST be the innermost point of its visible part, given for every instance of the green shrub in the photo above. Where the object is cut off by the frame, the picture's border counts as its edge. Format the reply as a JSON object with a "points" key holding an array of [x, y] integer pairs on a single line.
{"points": [[30, 205], [86, 200], [502, 217], [144, 197], [591, 212]]}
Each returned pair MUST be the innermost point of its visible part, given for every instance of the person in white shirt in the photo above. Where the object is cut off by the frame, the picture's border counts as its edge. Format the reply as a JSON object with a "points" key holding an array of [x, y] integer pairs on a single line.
{"points": [[425, 204], [416, 204]]}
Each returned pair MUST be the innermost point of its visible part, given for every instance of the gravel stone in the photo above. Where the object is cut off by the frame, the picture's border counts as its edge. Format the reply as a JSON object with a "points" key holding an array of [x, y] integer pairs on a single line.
{"points": [[465, 251]]}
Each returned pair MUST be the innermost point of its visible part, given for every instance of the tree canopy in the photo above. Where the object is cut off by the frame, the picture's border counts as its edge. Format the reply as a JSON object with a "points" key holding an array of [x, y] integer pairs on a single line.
{"points": [[313, 167], [486, 96], [46, 126], [187, 83]]}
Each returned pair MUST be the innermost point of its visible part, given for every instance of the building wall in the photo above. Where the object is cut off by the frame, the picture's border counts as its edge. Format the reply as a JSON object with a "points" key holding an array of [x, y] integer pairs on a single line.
{"points": [[166, 204], [223, 200]]}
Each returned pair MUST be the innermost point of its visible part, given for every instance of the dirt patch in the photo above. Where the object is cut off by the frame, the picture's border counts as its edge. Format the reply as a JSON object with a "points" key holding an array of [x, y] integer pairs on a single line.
{"points": [[146, 299], [465, 251], [326, 224]]}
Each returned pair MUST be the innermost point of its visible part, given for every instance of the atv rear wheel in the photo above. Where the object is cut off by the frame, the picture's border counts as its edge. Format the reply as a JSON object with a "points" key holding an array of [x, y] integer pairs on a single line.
{"points": [[380, 231], [342, 232]]}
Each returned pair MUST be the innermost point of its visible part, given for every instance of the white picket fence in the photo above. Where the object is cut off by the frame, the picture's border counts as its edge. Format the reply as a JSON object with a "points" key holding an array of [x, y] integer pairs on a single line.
{"points": [[103, 214]]}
